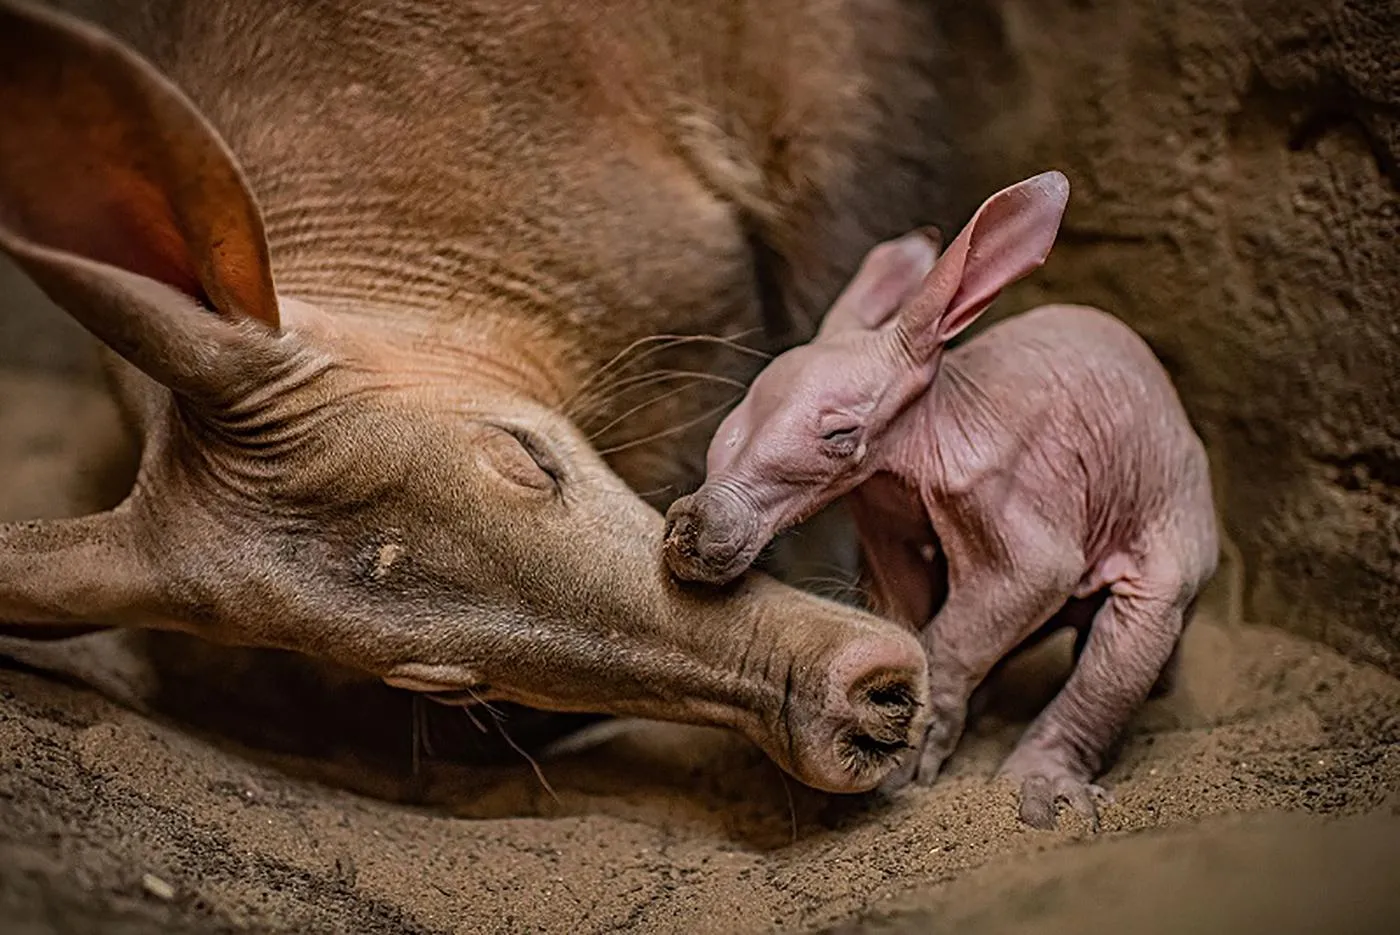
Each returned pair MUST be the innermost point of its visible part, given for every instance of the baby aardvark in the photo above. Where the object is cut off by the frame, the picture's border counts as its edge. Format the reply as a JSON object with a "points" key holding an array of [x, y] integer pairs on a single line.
{"points": [[1050, 459]]}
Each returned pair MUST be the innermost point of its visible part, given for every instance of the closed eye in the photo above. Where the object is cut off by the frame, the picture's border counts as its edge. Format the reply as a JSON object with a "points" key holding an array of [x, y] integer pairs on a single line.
{"points": [[838, 434], [537, 450]]}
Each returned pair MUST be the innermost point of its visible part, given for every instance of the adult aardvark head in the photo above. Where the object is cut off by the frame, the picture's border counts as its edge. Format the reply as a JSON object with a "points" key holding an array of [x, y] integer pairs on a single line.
{"points": [[359, 488]]}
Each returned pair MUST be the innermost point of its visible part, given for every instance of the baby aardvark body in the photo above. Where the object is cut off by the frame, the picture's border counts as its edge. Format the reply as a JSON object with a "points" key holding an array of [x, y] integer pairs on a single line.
{"points": [[1049, 458]]}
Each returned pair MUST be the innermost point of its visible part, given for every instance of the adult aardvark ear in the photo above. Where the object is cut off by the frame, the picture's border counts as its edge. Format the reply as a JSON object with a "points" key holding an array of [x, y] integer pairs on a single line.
{"points": [[124, 205], [1009, 237]]}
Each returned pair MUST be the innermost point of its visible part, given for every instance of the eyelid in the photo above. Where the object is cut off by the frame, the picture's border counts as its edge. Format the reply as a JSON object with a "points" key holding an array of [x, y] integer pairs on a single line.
{"points": [[838, 423], [537, 450]]}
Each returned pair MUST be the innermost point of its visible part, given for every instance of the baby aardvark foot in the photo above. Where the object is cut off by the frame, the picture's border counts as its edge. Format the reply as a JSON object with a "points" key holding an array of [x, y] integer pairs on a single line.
{"points": [[922, 765], [937, 748], [1044, 784]]}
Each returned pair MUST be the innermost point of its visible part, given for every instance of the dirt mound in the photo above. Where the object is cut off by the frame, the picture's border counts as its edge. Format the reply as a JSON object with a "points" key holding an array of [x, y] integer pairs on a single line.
{"points": [[1275, 875], [657, 828]]}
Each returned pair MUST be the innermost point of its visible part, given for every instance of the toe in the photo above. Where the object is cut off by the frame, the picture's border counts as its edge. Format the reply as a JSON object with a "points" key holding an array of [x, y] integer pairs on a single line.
{"points": [[931, 762], [1038, 803], [1081, 798], [1042, 794], [902, 775]]}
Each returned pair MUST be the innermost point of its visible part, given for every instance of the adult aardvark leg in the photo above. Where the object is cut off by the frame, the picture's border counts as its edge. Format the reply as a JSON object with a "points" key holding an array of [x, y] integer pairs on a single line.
{"points": [[1130, 642]]}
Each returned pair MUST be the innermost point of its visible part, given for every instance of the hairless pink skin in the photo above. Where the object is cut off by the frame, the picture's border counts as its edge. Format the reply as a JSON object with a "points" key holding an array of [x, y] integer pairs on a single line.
{"points": [[1049, 459]]}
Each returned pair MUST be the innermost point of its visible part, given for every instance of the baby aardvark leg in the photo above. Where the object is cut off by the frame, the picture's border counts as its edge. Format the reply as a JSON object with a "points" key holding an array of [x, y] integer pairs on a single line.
{"points": [[985, 617], [1132, 637]]}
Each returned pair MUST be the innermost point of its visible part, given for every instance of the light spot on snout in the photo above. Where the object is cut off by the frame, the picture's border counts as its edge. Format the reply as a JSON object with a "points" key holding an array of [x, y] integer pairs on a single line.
{"points": [[433, 679], [384, 560]]}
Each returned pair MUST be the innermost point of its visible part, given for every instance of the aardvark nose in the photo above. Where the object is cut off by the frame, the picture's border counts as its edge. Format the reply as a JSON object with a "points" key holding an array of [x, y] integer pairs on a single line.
{"points": [[702, 544], [872, 713]]}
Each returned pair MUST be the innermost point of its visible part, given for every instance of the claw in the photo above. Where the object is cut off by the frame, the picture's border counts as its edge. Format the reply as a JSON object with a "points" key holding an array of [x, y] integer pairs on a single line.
{"points": [[1038, 803], [1041, 794]]}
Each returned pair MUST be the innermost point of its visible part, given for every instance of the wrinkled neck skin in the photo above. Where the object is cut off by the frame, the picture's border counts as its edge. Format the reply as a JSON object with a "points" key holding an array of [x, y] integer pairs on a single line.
{"points": [[936, 427]]}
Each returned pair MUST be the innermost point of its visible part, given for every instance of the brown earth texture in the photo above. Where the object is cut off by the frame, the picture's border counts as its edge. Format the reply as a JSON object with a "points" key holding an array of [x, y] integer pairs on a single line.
{"points": [[1234, 165]]}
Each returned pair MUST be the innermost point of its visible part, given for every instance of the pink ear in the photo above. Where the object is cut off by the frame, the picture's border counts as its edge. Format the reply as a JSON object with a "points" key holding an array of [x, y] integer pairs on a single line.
{"points": [[1009, 237], [888, 277]]}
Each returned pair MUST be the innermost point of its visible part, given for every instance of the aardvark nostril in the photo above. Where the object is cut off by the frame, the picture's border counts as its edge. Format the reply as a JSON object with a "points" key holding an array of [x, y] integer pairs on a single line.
{"points": [[695, 547], [681, 530], [876, 695]]}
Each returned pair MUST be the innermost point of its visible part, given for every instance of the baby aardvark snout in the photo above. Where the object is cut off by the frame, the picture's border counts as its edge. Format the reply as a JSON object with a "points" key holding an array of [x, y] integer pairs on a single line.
{"points": [[709, 537]]}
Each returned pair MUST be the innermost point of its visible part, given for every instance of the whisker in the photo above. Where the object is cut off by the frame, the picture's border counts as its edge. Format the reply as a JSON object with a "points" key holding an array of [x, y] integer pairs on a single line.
{"points": [[476, 699], [416, 719], [839, 594], [792, 805], [733, 342], [471, 716], [657, 376], [587, 385], [673, 430], [661, 342], [819, 580], [840, 584], [539, 773], [592, 436], [651, 378]]}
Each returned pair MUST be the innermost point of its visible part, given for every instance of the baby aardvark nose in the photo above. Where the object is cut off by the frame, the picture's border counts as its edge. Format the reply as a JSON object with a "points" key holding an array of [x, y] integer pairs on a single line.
{"points": [[701, 544]]}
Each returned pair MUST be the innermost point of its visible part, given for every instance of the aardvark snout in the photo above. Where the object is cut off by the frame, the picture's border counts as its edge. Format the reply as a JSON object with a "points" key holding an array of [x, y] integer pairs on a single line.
{"points": [[873, 713], [710, 537], [855, 699]]}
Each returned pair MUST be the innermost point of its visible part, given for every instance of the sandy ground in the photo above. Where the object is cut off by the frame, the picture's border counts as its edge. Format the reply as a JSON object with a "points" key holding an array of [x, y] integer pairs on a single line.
{"points": [[1262, 795]]}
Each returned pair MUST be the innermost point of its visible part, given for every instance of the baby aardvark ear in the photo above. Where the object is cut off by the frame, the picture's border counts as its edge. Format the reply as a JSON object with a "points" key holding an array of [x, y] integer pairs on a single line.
{"points": [[889, 276], [1009, 237]]}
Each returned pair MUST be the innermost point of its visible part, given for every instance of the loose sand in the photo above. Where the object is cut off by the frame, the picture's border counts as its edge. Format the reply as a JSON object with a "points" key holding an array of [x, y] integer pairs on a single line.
{"points": [[115, 821]]}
